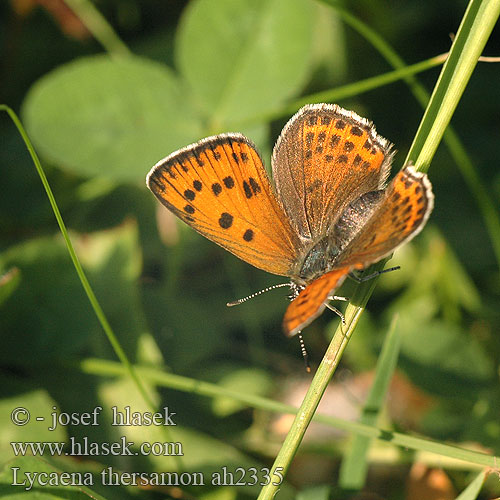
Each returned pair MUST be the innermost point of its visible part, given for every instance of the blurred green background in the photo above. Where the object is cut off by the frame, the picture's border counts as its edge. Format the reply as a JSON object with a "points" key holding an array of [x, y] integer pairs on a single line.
{"points": [[99, 122]]}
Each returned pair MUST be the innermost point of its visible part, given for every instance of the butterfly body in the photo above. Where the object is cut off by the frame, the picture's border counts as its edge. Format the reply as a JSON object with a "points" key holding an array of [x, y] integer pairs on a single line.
{"points": [[329, 213]]}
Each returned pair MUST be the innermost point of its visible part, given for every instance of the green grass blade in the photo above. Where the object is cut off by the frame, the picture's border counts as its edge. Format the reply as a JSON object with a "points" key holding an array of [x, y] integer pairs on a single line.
{"points": [[78, 266], [355, 465], [97, 24], [477, 24], [449, 89], [464, 163]]}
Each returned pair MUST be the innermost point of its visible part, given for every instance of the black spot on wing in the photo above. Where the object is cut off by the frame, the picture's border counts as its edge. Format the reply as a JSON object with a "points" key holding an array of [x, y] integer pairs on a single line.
{"points": [[248, 235], [254, 185], [189, 194], [225, 220], [334, 141], [348, 146], [247, 189], [216, 188]]}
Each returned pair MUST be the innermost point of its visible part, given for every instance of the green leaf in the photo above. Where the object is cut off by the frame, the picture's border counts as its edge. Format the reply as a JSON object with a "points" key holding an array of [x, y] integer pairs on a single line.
{"points": [[107, 117], [247, 380], [48, 317], [437, 350], [38, 404], [210, 456], [239, 56]]}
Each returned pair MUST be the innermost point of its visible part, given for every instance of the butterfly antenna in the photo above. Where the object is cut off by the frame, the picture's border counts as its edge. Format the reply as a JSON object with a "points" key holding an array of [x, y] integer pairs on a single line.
{"points": [[260, 292], [304, 353]]}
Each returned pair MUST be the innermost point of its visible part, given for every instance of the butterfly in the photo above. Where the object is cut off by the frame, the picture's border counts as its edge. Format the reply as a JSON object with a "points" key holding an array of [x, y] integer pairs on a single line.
{"points": [[330, 212]]}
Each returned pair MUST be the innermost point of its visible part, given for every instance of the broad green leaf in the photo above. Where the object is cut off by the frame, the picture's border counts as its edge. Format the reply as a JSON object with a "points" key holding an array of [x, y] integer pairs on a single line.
{"points": [[107, 117], [437, 350], [201, 452], [49, 317], [246, 380], [241, 57], [38, 404]]}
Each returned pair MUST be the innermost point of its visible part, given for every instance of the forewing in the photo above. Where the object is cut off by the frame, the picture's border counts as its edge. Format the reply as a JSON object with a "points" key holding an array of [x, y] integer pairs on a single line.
{"points": [[220, 188], [325, 158], [401, 214], [310, 302]]}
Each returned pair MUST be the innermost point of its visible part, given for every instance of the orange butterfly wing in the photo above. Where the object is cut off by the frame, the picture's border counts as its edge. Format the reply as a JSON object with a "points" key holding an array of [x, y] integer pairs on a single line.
{"points": [[220, 188], [325, 158], [399, 216], [310, 302]]}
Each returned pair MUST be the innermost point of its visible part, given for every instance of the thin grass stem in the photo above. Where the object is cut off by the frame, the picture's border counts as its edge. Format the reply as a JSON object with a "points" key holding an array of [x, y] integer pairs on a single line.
{"points": [[129, 368], [97, 24], [106, 368]]}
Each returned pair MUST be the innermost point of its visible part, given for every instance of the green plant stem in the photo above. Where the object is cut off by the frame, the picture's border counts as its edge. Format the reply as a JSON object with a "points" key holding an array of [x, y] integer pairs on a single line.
{"points": [[477, 24], [106, 368], [318, 386], [479, 20], [97, 24], [79, 269], [472, 491], [486, 205], [74, 258]]}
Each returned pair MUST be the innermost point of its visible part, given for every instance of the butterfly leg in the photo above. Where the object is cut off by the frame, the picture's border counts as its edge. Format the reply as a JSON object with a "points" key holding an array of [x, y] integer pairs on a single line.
{"points": [[336, 311], [361, 279]]}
